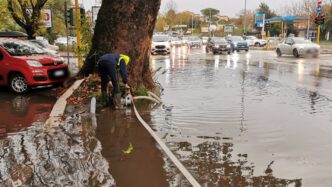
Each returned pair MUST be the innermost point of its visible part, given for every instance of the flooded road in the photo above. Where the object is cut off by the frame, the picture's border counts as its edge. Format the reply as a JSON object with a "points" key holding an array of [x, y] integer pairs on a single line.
{"points": [[247, 119]]}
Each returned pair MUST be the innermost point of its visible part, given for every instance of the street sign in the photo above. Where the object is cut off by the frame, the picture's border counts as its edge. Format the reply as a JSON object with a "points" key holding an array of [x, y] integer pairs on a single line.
{"points": [[45, 16], [228, 28], [259, 19]]}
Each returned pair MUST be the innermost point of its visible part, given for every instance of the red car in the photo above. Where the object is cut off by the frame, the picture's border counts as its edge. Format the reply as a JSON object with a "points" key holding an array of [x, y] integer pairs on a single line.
{"points": [[24, 65]]}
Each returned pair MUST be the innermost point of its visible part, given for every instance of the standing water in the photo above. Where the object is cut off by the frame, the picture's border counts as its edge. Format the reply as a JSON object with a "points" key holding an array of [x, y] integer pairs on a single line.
{"points": [[248, 119]]}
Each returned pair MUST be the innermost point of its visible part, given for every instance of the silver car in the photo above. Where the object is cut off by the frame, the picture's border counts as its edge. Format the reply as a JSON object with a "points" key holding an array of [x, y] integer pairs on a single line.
{"points": [[297, 47]]}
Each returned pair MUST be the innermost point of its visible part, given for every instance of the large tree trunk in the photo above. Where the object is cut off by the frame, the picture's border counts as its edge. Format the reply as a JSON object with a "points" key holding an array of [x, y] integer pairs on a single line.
{"points": [[126, 26]]}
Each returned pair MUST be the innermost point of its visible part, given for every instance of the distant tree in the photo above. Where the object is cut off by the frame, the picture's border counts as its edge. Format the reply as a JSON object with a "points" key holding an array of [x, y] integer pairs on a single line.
{"points": [[264, 8], [27, 14], [210, 11]]}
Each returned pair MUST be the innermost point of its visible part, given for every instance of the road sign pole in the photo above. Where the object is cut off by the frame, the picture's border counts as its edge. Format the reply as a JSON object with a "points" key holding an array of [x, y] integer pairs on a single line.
{"points": [[78, 33], [318, 34], [268, 39]]}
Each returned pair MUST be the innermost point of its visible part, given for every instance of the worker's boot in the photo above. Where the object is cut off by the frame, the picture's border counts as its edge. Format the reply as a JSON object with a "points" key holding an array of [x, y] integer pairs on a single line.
{"points": [[104, 99], [117, 101]]}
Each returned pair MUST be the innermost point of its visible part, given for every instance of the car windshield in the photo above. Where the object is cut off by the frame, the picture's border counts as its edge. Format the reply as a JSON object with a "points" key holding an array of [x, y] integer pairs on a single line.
{"points": [[160, 39], [236, 38], [21, 48], [39, 43], [301, 41], [219, 40]]}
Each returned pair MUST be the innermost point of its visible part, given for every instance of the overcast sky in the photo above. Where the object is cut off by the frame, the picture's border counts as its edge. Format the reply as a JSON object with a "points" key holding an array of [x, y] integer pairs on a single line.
{"points": [[227, 7]]}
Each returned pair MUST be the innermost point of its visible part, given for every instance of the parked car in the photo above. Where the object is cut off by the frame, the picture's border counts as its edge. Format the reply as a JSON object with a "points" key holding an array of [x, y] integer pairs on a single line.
{"points": [[297, 47], [237, 43], [63, 41], [176, 42], [254, 41], [194, 42], [185, 40], [218, 45], [205, 40], [23, 66], [161, 44], [47, 48]]}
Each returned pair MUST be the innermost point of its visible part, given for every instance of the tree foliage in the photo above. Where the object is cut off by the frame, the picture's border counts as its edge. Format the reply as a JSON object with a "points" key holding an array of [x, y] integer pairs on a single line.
{"points": [[210, 11], [27, 14], [264, 8], [6, 21]]}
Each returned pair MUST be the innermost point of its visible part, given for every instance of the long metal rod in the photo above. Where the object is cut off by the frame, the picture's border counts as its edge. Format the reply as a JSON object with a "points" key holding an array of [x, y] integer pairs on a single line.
{"points": [[245, 18], [78, 33]]}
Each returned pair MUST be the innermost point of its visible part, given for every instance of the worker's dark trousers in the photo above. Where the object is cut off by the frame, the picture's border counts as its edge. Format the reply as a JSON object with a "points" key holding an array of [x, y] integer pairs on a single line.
{"points": [[107, 70]]}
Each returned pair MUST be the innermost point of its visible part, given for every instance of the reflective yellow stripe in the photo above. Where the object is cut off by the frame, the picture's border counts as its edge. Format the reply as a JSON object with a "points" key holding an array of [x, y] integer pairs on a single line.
{"points": [[125, 58]]}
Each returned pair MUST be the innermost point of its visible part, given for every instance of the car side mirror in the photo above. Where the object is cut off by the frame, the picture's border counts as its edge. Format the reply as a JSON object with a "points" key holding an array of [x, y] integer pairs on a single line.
{"points": [[1, 56]]}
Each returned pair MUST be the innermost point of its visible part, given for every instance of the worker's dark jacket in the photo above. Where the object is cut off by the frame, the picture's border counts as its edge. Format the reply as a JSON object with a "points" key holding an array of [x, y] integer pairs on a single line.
{"points": [[114, 58]]}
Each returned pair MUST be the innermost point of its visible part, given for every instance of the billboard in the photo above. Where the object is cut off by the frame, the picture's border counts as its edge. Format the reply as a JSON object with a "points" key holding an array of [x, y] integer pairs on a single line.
{"points": [[259, 19], [95, 10], [228, 28], [45, 17]]}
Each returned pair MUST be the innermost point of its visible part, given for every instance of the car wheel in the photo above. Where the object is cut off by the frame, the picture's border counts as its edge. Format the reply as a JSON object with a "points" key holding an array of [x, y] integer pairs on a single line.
{"points": [[229, 52], [296, 53], [18, 84], [247, 50], [279, 52], [237, 50], [214, 52], [257, 44]]}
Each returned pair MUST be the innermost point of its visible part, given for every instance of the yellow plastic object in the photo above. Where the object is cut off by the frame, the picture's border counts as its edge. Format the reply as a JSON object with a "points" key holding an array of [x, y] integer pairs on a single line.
{"points": [[129, 149]]}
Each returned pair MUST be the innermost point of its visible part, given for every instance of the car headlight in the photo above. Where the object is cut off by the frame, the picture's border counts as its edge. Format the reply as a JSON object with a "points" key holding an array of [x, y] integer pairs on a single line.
{"points": [[228, 46], [34, 63], [215, 45], [235, 44]]}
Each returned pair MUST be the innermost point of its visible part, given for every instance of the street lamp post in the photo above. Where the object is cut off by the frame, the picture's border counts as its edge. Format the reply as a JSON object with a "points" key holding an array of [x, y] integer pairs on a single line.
{"points": [[192, 24], [308, 23], [245, 18]]}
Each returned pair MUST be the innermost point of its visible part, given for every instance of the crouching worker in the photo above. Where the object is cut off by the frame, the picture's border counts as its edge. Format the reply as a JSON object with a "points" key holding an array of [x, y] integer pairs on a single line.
{"points": [[109, 65]]}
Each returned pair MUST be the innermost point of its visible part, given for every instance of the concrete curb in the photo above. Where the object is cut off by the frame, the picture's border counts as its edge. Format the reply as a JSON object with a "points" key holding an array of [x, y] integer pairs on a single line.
{"points": [[60, 105]]}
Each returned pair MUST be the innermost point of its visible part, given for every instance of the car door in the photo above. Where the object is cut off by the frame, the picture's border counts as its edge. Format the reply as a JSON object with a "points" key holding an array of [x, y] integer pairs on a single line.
{"points": [[2, 69], [288, 46]]}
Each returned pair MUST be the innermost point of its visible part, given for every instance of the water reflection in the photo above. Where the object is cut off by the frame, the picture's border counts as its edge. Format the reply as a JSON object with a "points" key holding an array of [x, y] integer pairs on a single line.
{"points": [[22, 111], [132, 153], [214, 164]]}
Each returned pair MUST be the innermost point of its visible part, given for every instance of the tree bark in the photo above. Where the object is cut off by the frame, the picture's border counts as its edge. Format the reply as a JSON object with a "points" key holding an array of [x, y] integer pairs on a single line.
{"points": [[126, 27]]}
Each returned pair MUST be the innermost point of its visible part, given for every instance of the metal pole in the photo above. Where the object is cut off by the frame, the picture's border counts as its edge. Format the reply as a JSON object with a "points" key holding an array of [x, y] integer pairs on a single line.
{"points": [[78, 33], [318, 34], [67, 31], [245, 18], [210, 23], [192, 24], [308, 23]]}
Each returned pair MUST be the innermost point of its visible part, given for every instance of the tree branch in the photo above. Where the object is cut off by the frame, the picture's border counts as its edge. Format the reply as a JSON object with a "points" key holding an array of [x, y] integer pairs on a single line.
{"points": [[17, 19]]}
